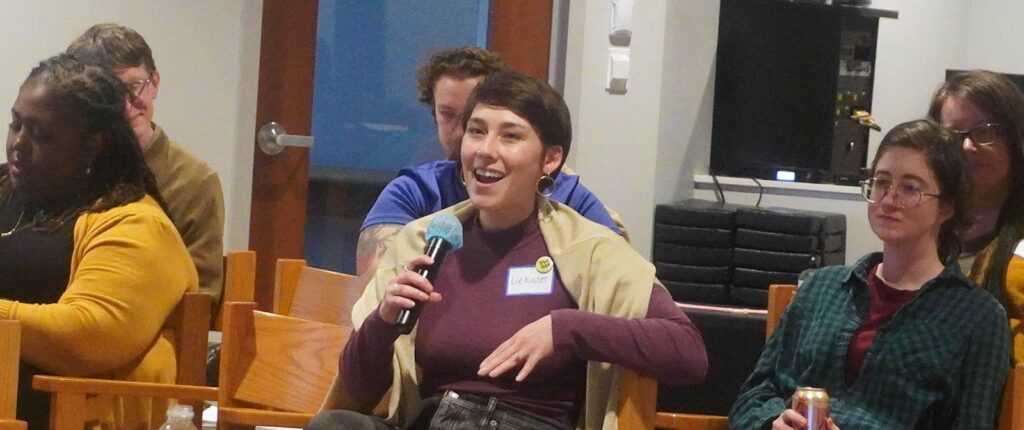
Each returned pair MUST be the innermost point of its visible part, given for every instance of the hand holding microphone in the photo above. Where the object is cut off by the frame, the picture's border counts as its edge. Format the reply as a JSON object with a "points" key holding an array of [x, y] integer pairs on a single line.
{"points": [[411, 290]]}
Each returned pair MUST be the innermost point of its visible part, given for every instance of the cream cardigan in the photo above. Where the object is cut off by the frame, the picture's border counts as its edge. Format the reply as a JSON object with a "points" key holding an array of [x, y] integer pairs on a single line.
{"points": [[601, 271]]}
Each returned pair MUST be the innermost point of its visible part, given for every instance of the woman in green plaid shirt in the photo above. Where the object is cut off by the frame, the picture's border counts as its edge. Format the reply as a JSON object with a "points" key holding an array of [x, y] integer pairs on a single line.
{"points": [[901, 339]]}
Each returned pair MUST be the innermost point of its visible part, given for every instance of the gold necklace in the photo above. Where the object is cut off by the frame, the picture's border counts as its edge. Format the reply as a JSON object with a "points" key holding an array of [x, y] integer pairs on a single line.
{"points": [[16, 225]]}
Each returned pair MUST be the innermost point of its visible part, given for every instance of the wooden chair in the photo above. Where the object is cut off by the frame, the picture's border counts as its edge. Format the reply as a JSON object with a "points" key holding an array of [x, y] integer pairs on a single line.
{"points": [[239, 282], [10, 356], [188, 326], [275, 370], [779, 297], [1011, 414], [307, 302], [638, 400], [315, 294]]}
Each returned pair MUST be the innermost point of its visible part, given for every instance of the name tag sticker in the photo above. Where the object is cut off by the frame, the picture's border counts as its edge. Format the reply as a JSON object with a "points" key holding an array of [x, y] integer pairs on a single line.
{"points": [[528, 281]]}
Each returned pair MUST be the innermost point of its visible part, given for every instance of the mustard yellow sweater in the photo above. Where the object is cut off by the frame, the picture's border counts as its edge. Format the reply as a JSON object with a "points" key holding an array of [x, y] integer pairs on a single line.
{"points": [[129, 268]]}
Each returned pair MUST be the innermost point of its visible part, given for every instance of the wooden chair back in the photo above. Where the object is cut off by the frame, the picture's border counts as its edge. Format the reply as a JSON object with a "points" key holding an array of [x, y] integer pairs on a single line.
{"points": [[779, 296], [275, 370], [187, 327], [239, 282], [638, 400], [1011, 414], [315, 294], [10, 357]]}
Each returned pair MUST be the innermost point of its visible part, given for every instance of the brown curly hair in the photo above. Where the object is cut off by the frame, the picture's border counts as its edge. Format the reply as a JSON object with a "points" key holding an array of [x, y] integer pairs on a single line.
{"points": [[461, 63]]}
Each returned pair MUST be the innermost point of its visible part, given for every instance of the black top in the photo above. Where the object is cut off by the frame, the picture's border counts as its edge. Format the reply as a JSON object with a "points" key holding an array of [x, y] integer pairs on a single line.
{"points": [[35, 268]]}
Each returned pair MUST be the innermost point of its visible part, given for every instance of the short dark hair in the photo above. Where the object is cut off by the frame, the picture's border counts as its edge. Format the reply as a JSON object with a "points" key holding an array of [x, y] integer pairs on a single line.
{"points": [[531, 99], [119, 174], [113, 46], [948, 164], [461, 63], [999, 97]]}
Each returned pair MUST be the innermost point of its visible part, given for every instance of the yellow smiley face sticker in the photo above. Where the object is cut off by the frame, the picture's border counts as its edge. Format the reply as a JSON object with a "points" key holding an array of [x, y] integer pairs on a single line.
{"points": [[544, 264]]}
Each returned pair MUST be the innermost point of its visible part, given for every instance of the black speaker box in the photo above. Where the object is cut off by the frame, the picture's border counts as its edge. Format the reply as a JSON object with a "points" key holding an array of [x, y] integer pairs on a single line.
{"points": [[769, 241], [773, 260], [761, 278], [694, 274], [694, 236], [697, 213], [791, 221], [748, 297], [698, 293], [691, 255]]}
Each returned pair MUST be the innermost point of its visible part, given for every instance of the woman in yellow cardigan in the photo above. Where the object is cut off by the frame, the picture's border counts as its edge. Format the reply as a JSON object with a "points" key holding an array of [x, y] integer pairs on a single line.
{"points": [[987, 110], [91, 264]]}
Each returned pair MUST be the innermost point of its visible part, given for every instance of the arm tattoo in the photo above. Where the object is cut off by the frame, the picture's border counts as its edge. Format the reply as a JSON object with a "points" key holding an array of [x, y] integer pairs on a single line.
{"points": [[372, 243]]}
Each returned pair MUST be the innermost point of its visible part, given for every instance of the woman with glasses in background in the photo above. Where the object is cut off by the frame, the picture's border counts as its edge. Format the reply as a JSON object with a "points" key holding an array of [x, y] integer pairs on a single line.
{"points": [[986, 110], [902, 339]]}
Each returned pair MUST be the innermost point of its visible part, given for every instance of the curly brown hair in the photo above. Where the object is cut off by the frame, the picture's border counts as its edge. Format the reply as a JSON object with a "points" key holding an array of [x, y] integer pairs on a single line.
{"points": [[461, 63]]}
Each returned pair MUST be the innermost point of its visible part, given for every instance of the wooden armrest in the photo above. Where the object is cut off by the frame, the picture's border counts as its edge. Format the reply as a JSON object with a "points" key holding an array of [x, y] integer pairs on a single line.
{"points": [[264, 418], [64, 384], [13, 425], [673, 421]]}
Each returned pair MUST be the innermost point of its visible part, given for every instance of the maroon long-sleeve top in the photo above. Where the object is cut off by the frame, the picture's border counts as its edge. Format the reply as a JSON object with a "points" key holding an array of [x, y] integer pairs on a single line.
{"points": [[480, 309]]}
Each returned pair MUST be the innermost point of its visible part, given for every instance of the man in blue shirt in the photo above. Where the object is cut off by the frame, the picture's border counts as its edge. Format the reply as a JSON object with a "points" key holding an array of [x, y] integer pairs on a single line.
{"points": [[445, 83]]}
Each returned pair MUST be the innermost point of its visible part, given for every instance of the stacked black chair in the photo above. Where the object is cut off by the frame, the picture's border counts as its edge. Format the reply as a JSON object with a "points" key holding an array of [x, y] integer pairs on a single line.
{"points": [[693, 250], [774, 245]]}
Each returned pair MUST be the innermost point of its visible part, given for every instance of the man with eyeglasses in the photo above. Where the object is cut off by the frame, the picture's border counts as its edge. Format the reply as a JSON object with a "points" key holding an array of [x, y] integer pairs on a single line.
{"points": [[195, 202]]}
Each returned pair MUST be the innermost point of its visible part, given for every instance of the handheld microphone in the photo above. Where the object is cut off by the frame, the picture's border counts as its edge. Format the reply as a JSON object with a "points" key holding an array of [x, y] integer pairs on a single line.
{"points": [[444, 234]]}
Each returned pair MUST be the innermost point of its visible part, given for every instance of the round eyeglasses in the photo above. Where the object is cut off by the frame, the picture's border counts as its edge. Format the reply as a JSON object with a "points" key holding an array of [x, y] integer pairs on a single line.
{"points": [[905, 195], [135, 88], [981, 135]]}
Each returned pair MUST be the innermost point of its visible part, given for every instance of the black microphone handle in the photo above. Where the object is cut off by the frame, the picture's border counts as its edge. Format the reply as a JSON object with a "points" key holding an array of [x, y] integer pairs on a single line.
{"points": [[437, 249]]}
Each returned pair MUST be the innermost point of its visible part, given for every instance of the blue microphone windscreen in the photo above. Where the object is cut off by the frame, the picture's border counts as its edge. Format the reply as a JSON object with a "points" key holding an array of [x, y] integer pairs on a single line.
{"points": [[448, 228]]}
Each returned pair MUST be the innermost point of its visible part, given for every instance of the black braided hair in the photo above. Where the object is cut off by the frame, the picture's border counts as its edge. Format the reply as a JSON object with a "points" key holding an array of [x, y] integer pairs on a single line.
{"points": [[119, 174]]}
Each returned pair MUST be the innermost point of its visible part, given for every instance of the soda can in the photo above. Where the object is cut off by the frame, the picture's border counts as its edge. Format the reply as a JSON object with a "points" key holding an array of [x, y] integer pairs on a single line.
{"points": [[812, 403]]}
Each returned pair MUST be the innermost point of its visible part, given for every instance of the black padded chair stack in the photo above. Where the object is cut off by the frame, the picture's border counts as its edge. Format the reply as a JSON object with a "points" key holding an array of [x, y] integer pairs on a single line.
{"points": [[774, 245], [693, 246]]}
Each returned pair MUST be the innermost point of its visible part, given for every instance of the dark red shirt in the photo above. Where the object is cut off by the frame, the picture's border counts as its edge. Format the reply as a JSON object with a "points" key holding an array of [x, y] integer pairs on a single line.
{"points": [[883, 302], [479, 311]]}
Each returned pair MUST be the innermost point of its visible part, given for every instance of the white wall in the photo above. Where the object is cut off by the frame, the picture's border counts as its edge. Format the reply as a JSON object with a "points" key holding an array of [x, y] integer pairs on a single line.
{"points": [[207, 54], [994, 36], [913, 54], [634, 150], [615, 139]]}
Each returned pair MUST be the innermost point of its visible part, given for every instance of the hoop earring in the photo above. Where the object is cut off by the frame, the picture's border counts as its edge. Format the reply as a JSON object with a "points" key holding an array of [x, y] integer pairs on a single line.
{"points": [[546, 185]]}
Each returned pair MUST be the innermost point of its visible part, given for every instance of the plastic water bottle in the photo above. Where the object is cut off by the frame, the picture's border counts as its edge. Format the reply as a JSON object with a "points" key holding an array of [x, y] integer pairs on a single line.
{"points": [[179, 417]]}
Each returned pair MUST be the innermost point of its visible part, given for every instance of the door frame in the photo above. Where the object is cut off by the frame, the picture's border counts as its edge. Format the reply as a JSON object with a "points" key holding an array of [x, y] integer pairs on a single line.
{"points": [[519, 31]]}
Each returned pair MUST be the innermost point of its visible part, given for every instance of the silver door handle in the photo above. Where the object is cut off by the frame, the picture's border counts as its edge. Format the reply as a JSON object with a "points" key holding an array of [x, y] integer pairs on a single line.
{"points": [[272, 139]]}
